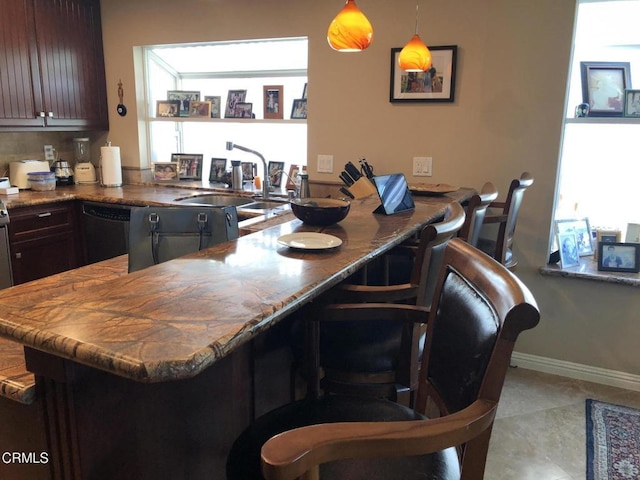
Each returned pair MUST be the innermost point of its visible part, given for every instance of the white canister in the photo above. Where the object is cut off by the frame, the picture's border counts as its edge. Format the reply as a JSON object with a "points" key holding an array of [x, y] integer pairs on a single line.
{"points": [[110, 167]]}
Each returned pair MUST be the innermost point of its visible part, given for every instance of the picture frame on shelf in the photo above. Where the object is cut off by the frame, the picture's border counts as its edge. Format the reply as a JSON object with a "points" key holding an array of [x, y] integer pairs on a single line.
{"points": [[273, 99], [215, 105], [292, 178], [632, 103], [165, 171], [244, 110], [218, 169], [275, 173], [438, 84], [189, 165], [619, 257], [248, 170], [185, 97], [582, 230], [568, 245], [603, 87], [233, 98], [200, 109], [299, 109], [167, 108], [606, 236], [633, 233]]}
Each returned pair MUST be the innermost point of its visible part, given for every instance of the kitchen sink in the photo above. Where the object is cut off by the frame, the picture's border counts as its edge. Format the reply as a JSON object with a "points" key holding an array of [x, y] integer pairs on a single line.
{"points": [[215, 200], [264, 205]]}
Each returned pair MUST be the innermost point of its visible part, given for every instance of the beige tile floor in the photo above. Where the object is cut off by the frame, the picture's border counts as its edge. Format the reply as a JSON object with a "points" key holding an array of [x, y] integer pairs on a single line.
{"points": [[539, 432]]}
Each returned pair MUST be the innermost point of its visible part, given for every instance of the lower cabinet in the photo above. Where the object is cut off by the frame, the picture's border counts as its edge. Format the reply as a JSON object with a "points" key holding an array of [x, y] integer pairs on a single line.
{"points": [[44, 240]]}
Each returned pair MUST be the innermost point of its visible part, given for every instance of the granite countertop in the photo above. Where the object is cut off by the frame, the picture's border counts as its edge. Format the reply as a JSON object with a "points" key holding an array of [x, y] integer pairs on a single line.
{"points": [[173, 320]]}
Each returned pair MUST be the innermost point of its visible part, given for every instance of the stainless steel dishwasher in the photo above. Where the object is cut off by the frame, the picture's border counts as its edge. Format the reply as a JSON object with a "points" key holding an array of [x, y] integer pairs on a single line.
{"points": [[106, 230], [6, 279]]}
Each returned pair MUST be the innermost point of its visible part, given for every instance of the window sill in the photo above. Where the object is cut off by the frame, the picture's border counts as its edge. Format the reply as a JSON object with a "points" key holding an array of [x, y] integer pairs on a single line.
{"points": [[588, 270]]}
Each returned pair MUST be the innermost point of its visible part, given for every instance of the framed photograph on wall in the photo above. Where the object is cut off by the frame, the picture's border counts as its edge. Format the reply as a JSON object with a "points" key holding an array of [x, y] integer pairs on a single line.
{"points": [[189, 165], [438, 84], [185, 97], [619, 257], [603, 86], [200, 109], [215, 105], [299, 109], [273, 99], [275, 173], [165, 171], [233, 98], [167, 108], [568, 249], [582, 230], [632, 103], [218, 169]]}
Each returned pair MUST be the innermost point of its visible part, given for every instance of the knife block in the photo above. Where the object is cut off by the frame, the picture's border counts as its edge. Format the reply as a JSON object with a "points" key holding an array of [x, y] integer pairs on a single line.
{"points": [[362, 188]]}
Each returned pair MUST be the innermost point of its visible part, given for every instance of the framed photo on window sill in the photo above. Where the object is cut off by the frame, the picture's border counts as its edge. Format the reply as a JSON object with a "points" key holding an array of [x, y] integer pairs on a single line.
{"points": [[619, 257]]}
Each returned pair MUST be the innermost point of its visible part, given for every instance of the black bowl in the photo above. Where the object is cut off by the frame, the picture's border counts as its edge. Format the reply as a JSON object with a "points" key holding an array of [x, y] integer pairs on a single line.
{"points": [[320, 211]]}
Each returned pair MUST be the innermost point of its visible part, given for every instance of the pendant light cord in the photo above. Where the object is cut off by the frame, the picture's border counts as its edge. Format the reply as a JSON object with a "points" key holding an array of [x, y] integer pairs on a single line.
{"points": [[417, 17]]}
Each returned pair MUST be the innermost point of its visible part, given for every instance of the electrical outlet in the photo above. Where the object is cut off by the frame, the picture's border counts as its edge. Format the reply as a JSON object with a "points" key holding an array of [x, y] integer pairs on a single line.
{"points": [[49, 154], [422, 166], [325, 164]]}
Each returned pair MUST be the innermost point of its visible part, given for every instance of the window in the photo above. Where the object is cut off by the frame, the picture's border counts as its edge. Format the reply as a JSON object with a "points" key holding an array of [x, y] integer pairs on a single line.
{"points": [[213, 69], [599, 165]]}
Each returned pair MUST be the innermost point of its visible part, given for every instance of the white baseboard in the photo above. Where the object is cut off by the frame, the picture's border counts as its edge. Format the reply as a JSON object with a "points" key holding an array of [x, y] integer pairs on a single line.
{"points": [[578, 371]]}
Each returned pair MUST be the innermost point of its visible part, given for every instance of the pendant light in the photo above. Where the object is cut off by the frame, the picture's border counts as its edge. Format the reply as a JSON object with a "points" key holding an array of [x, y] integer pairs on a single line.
{"points": [[415, 56], [350, 31]]}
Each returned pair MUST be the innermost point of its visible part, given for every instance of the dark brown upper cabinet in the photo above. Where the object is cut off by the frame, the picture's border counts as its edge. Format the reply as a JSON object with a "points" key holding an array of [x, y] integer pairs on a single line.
{"points": [[52, 66]]}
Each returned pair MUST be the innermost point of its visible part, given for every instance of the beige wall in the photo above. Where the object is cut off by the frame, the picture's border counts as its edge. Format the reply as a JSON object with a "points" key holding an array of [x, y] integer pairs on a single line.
{"points": [[507, 118]]}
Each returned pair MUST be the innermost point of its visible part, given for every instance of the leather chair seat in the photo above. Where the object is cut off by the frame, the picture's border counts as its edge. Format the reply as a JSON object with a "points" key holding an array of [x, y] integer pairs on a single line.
{"points": [[244, 458]]}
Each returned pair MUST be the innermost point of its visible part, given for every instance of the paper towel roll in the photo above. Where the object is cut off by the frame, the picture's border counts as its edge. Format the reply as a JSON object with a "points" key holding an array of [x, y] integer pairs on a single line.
{"points": [[110, 167]]}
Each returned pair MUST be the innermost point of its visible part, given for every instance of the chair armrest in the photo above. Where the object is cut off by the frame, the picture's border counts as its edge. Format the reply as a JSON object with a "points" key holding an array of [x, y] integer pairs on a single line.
{"points": [[400, 312], [495, 219], [501, 205], [289, 455], [351, 293]]}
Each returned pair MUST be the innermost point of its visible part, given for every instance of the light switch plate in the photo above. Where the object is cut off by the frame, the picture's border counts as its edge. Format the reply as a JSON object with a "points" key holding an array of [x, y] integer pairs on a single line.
{"points": [[422, 166], [49, 156], [325, 164]]}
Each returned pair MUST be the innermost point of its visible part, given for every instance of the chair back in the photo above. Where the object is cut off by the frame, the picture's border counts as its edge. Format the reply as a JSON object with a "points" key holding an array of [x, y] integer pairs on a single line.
{"points": [[476, 211], [479, 308], [510, 209], [433, 240]]}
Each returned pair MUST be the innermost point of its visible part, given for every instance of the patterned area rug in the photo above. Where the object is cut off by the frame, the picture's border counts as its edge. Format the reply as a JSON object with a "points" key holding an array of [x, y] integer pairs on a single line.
{"points": [[613, 441]]}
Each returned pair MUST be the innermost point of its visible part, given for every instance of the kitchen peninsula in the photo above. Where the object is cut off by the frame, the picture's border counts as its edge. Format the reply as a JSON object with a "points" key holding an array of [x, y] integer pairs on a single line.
{"points": [[153, 374]]}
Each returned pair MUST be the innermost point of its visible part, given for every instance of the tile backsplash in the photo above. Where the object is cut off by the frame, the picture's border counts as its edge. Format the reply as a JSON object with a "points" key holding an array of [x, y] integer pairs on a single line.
{"points": [[30, 145]]}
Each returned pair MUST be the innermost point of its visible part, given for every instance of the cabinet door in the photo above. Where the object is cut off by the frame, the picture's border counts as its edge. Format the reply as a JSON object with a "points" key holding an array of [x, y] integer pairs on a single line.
{"points": [[69, 40], [20, 92], [44, 240]]}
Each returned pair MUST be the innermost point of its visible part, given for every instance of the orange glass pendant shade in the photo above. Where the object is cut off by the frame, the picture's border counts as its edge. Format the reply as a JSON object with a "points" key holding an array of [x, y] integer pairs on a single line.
{"points": [[350, 31], [415, 56]]}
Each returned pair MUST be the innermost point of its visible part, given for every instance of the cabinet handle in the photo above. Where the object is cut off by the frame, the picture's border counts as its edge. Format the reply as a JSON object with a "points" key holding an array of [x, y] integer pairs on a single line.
{"points": [[46, 214], [18, 255]]}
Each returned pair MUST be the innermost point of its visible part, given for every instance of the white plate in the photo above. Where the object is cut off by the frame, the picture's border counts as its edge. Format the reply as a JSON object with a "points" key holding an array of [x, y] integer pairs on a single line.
{"points": [[309, 241]]}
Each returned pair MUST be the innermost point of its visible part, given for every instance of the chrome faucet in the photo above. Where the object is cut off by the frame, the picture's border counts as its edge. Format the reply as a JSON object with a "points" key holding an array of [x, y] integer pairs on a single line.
{"points": [[265, 180]]}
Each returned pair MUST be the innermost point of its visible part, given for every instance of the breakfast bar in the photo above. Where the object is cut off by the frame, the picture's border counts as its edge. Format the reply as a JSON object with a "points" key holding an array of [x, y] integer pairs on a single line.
{"points": [[153, 374]]}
